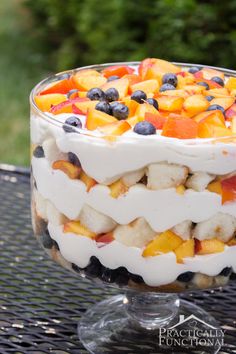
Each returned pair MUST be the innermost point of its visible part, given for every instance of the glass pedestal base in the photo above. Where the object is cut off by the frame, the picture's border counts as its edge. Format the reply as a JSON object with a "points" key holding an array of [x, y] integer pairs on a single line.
{"points": [[148, 323]]}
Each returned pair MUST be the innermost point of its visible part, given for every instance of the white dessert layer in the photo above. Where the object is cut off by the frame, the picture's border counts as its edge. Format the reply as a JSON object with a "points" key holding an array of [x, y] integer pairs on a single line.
{"points": [[162, 209], [156, 271], [107, 161]]}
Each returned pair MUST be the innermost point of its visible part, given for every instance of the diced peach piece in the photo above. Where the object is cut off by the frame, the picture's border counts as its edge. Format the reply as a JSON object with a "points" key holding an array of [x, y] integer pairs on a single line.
{"points": [[146, 86], [233, 125], [83, 106], [181, 128], [133, 120], [68, 168], [144, 66], [97, 119], [67, 106], [152, 68], [231, 83], [143, 109], [184, 80], [180, 189], [45, 102], [131, 104], [105, 238], [186, 249], [61, 86], [166, 242], [118, 188], [76, 227], [209, 246], [88, 181], [230, 113], [206, 130], [217, 92], [208, 73], [85, 83], [177, 93], [156, 119], [224, 102], [215, 187], [122, 86], [194, 89], [170, 103], [212, 117], [133, 79], [117, 70], [86, 72], [195, 104], [228, 189], [116, 128]]}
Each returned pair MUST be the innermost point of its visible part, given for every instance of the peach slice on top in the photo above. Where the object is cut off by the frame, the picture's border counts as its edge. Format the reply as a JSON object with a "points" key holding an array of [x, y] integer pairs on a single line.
{"points": [[147, 86], [97, 119], [115, 128], [85, 83], [122, 86], [180, 127], [62, 86], [45, 102], [195, 104], [170, 103]]}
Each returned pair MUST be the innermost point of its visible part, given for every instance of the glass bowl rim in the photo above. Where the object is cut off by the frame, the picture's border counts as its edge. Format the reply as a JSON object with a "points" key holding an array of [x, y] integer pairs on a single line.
{"points": [[89, 134]]}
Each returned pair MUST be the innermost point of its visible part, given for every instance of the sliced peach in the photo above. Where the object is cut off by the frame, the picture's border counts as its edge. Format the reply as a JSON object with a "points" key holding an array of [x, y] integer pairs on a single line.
{"points": [[97, 119], [85, 83], [228, 189], [208, 73], [143, 109], [152, 68], [68, 168], [166, 242], [83, 106], [61, 86], [156, 119], [105, 238], [86, 72], [215, 187], [144, 66], [212, 117], [122, 86], [186, 79], [76, 227], [146, 86], [118, 188], [117, 70], [177, 93], [170, 103], [181, 128], [45, 102], [224, 102], [217, 92], [206, 130], [133, 79], [233, 125], [209, 246], [186, 249], [231, 83], [116, 128], [194, 89], [67, 106], [131, 104], [133, 120], [230, 113], [88, 181], [195, 104]]}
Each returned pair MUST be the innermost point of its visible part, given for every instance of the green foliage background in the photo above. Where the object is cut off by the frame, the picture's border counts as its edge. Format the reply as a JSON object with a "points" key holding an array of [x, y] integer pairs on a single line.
{"points": [[79, 32]]}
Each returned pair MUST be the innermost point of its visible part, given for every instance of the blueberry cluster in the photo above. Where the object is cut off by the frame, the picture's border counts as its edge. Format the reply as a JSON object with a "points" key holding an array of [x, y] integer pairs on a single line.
{"points": [[120, 276]]}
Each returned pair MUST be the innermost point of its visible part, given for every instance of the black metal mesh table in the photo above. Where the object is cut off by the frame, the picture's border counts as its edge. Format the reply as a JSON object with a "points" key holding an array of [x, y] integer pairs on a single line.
{"points": [[41, 303]]}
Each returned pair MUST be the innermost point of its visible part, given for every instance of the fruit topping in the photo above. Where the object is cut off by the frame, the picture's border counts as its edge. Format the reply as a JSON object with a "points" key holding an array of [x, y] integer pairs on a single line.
{"points": [[215, 107], [162, 243], [70, 123], [113, 77], [204, 84], [218, 80], [103, 106], [166, 87], [96, 94], [119, 110], [144, 128], [112, 94], [170, 78], [68, 168], [116, 128], [153, 102], [73, 158], [139, 96], [97, 119], [117, 70], [179, 127], [209, 98], [194, 69]]}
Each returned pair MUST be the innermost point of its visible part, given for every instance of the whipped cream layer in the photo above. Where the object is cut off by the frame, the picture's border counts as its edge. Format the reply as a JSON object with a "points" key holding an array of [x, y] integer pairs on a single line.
{"points": [[78, 250], [162, 209], [107, 161]]}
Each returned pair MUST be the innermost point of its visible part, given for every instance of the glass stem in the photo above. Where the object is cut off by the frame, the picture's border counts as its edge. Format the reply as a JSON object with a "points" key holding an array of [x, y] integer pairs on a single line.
{"points": [[151, 310]]}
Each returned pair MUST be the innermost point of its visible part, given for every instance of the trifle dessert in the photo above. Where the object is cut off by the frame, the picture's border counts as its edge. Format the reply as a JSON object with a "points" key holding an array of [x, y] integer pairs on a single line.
{"points": [[134, 173]]}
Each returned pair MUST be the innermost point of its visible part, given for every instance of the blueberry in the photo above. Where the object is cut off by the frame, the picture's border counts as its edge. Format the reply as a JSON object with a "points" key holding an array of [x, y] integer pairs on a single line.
{"points": [[74, 159], [76, 268], [46, 240], [214, 107], [112, 94], [120, 111], [96, 94], [194, 69], [144, 128], [139, 96], [71, 92], [226, 271], [72, 122], [108, 275], [38, 152], [136, 278], [203, 83], [153, 102], [122, 276], [218, 80], [210, 98], [170, 79], [112, 78], [94, 268], [185, 277], [103, 106], [166, 87]]}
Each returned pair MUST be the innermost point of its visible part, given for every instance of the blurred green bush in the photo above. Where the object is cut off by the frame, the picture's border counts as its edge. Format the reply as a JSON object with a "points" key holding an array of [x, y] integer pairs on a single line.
{"points": [[82, 32]]}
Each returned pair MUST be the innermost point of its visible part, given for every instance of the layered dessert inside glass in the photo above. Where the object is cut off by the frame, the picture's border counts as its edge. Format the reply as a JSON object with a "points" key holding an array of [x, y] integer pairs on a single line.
{"points": [[134, 173]]}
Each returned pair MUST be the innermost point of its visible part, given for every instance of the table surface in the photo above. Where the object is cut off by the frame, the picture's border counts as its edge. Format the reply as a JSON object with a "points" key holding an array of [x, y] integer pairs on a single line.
{"points": [[41, 303]]}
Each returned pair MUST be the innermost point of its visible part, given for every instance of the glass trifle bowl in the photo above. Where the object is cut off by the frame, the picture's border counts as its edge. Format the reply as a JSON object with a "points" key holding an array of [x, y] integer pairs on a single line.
{"points": [[134, 186]]}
